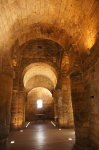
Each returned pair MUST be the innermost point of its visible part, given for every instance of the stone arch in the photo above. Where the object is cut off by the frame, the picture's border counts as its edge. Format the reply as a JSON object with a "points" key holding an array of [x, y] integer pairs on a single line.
{"points": [[35, 31], [35, 70], [31, 105]]}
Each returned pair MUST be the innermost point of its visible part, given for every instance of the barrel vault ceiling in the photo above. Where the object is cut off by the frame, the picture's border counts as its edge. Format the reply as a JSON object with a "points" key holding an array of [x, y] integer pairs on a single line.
{"points": [[62, 21], [73, 23]]}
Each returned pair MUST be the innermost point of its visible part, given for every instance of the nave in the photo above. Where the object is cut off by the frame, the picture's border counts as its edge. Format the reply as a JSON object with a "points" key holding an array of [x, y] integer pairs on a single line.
{"points": [[41, 136]]}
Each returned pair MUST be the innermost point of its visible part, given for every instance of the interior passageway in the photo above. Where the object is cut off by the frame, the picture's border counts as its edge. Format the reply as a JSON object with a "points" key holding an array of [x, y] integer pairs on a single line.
{"points": [[41, 136], [49, 51]]}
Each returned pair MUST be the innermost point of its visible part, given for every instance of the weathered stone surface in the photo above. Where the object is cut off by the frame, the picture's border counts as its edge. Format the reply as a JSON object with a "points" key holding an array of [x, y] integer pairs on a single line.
{"points": [[47, 109], [6, 83], [63, 35], [17, 109]]}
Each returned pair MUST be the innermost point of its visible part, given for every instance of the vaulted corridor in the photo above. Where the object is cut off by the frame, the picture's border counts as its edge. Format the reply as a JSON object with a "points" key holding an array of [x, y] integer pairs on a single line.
{"points": [[49, 65], [42, 136]]}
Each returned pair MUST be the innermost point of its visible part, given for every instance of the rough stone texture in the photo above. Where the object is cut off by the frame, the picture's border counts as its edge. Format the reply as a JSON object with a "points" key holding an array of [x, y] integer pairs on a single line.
{"points": [[5, 105], [63, 105], [65, 35], [48, 110], [80, 110], [67, 102], [35, 77], [78, 24], [91, 80], [17, 109], [31, 104]]}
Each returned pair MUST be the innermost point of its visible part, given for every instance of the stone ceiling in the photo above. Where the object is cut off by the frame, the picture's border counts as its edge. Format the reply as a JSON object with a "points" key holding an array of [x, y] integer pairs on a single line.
{"points": [[39, 93], [39, 75], [64, 28], [40, 62], [40, 50], [65, 22]]}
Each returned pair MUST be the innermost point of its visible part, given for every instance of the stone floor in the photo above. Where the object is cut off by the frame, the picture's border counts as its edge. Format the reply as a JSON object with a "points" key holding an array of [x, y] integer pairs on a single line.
{"points": [[41, 136]]}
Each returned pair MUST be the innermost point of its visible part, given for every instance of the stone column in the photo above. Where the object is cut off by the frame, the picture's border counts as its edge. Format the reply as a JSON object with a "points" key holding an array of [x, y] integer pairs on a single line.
{"points": [[58, 96], [55, 110], [6, 83], [67, 103], [21, 105], [14, 109], [17, 109], [24, 105], [80, 111]]}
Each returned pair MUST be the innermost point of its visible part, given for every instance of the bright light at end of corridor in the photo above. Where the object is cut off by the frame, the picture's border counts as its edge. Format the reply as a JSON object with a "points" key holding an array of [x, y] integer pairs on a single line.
{"points": [[70, 139], [60, 129], [12, 142], [53, 123]]}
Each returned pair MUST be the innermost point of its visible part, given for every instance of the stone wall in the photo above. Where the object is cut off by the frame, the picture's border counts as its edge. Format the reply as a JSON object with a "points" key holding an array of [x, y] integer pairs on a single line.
{"points": [[17, 109], [47, 109], [80, 111], [91, 84], [6, 86], [63, 104], [67, 102]]}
